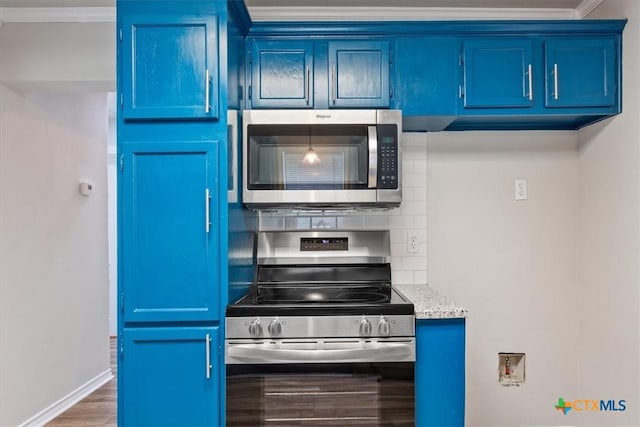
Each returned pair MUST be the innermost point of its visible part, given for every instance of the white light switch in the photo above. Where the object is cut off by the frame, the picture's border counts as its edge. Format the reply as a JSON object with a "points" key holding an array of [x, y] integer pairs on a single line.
{"points": [[521, 189]]}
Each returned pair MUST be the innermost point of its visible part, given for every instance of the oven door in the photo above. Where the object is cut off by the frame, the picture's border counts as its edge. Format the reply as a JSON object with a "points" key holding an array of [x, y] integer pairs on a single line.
{"points": [[320, 382]]}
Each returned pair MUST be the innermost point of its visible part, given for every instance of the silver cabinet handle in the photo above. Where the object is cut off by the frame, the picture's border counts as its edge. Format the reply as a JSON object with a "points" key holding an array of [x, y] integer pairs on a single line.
{"points": [[307, 92], [207, 202], [207, 96], [555, 81], [334, 84], [373, 157], [207, 355], [530, 73]]}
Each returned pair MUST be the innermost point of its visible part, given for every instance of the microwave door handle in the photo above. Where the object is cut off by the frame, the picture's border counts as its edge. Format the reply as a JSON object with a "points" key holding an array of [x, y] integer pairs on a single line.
{"points": [[373, 157]]}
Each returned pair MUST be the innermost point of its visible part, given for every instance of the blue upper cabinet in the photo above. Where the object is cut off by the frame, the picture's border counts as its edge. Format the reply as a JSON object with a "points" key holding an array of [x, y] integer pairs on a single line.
{"points": [[359, 74], [170, 67], [295, 73], [464, 75], [281, 74], [498, 73], [426, 87], [581, 72], [169, 232], [170, 377]]}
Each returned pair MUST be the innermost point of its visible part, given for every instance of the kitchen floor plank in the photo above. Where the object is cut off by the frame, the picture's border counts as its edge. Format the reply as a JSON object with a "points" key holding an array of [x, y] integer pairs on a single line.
{"points": [[96, 410]]}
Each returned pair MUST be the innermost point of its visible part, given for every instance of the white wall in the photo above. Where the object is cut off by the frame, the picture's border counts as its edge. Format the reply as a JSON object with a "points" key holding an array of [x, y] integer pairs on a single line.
{"points": [[112, 215], [410, 217], [53, 249], [609, 249], [511, 263], [68, 57]]}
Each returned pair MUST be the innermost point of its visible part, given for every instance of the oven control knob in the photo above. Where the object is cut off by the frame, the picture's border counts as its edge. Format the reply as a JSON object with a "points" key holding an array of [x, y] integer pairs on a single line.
{"points": [[384, 327], [275, 328], [255, 328], [365, 327]]}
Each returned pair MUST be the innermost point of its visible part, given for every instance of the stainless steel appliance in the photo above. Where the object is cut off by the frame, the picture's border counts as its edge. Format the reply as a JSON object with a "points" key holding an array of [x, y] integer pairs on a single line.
{"points": [[322, 338], [330, 158]]}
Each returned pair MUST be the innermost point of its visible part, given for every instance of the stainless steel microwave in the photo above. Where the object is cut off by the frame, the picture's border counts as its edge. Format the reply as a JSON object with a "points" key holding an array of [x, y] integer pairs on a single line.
{"points": [[322, 158]]}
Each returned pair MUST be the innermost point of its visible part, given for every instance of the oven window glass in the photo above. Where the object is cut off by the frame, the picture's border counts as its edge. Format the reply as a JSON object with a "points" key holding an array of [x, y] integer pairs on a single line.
{"points": [[301, 157], [354, 394]]}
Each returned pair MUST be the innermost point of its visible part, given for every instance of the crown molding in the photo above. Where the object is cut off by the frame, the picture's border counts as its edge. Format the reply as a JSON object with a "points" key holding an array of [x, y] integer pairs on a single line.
{"points": [[586, 7], [57, 14], [313, 14]]}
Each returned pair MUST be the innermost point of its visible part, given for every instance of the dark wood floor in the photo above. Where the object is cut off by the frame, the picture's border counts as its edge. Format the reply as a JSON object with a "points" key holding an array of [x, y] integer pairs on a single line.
{"points": [[97, 409]]}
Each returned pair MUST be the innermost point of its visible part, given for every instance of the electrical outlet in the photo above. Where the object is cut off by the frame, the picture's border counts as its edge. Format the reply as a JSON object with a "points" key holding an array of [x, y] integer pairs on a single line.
{"points": [[412, 243], [521, 189]]}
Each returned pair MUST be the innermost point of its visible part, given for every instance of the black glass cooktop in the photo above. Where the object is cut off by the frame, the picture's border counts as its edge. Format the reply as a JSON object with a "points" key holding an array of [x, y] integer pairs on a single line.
{"points": [[304, 299], [322, 293], [321, 290]]}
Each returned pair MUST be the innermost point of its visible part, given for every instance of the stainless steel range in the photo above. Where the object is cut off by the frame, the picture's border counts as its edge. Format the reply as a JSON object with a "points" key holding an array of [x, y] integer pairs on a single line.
{"points": [[321, 324]]}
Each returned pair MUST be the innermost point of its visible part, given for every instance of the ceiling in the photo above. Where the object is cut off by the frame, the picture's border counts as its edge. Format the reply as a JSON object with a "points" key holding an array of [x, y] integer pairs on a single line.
{"points": [[57, 3], [529, 4], [543, 4], [320, 10]]}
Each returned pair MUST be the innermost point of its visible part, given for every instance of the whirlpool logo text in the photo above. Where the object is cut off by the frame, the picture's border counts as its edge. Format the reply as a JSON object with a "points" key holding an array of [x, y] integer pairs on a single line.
{"points": [[589, 405]]}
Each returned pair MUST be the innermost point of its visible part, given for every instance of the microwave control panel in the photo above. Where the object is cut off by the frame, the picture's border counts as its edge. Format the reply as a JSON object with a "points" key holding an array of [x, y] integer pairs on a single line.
{"points": [[387, 156]]}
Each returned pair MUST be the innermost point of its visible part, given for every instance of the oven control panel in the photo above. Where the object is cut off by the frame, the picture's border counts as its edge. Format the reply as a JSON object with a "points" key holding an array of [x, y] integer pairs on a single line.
{"points": [[324, 244], [321, 326]]}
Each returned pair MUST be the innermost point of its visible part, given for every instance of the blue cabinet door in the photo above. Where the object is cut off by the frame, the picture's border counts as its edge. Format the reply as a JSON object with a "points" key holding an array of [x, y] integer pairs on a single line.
{"points": [[169, 67], [281, 74], [440, 372], [359, 74], [169, 249], [581, 72], [498, 73], [169, 377]]}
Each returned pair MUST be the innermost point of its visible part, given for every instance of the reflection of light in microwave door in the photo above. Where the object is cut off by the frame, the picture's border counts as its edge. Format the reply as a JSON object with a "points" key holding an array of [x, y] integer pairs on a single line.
{"points": [[310, 156]]}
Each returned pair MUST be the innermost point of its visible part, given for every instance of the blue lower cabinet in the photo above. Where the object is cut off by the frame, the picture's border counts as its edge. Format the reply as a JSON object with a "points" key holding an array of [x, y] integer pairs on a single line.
{"points": [[440, 372], [169, 377]]}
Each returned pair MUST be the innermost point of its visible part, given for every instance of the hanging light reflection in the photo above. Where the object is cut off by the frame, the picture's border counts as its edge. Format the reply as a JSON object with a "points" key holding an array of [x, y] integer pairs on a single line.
{"points": [[310, 157]]}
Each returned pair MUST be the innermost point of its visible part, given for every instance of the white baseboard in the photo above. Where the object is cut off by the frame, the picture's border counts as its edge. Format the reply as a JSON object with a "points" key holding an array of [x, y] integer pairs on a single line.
{"points": [[68, 401]]}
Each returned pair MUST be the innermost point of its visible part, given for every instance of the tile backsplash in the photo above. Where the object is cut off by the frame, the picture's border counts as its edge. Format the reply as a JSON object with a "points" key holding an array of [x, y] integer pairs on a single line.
{"points": [[408, 219]]}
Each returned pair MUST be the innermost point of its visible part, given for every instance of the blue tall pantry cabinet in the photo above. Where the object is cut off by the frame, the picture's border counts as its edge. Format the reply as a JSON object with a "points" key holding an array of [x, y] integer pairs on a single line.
{"points": [[172, 211]]}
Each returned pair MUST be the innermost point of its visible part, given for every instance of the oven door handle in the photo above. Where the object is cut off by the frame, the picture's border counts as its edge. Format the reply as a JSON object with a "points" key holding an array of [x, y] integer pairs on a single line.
{"points": [[376, 352]]}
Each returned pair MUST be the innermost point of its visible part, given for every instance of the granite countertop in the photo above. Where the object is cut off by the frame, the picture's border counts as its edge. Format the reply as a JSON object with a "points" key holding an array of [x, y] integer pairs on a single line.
{"points": [[431, 304]]}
